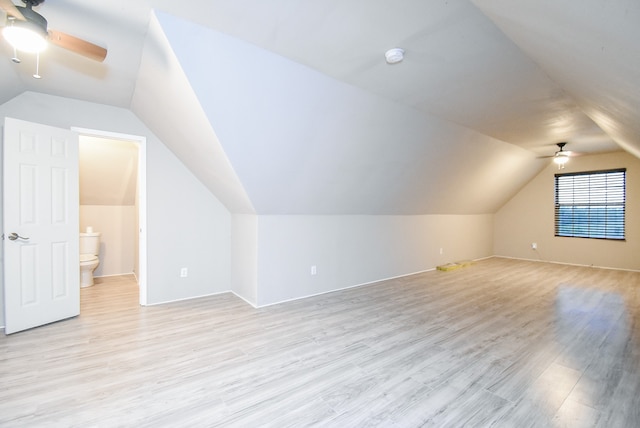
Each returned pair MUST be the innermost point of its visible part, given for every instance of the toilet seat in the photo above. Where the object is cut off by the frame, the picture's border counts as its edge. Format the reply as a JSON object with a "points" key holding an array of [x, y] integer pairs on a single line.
{"points": [[88, 258]]}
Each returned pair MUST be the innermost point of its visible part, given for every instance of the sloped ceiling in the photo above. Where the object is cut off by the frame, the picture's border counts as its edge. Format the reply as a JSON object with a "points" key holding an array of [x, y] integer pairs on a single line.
{"points": [[289, 108], [305, 143], [164, 100], [108, 171], [590, 48]]}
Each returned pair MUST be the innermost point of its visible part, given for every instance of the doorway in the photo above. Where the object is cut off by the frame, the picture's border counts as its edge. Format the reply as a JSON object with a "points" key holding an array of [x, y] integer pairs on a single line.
{"points": [[113, 202], [41, 209]]}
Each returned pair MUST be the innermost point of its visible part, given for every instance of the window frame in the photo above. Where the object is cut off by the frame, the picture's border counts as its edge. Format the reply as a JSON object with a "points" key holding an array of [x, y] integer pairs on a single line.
{"points": [[585, 194]]}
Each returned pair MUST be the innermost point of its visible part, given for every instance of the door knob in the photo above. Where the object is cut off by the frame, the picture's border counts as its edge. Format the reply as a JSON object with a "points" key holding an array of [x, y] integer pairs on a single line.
{"points": [[13, 236]]}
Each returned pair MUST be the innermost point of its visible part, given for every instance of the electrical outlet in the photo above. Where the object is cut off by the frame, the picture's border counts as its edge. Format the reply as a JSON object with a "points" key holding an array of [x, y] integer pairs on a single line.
{"points": [[441, 251], [314, 270], [184, 272], [534, 246]]}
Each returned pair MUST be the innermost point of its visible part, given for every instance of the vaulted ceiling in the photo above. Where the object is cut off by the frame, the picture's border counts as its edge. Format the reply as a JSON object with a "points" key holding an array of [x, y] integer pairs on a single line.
{"points": [[286, 107]]}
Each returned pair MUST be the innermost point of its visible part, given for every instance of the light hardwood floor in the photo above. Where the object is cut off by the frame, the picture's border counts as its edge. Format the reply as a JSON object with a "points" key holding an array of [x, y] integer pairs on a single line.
{"points": [[500, 343]]}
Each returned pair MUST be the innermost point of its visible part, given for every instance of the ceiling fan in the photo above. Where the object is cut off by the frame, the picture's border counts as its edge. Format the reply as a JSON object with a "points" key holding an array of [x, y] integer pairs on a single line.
{"points": [[561, 157], [27, 31]]}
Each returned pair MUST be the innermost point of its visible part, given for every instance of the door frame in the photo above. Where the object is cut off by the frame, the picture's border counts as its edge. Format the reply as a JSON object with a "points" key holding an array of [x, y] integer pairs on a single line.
{"points": [[142, 198]]}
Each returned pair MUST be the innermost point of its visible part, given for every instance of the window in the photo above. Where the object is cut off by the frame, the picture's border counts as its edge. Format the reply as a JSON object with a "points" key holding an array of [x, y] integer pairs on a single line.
{"points": [[591, 204]]}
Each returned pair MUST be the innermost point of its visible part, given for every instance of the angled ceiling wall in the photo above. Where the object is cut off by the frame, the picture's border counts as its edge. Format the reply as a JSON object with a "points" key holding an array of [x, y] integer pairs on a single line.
{"points": [[304, 143], [164, 100], [108, 171], [590, 48]]}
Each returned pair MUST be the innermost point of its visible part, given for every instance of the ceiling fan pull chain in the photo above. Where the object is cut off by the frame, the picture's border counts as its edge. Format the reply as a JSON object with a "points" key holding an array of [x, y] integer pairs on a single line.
{"points": [[37, 75], [15, 56]]}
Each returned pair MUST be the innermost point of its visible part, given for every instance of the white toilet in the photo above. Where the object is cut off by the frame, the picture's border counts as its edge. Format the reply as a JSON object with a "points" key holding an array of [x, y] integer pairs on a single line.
{"points": [[89, 250]]}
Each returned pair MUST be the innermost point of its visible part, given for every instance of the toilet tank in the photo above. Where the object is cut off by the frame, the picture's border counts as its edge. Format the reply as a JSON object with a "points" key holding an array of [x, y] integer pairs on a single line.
{"points": [[90, 243]]}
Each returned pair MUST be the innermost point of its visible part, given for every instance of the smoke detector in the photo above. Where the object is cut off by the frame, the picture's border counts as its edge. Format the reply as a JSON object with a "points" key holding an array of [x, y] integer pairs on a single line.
{"points": [[394, 56]]}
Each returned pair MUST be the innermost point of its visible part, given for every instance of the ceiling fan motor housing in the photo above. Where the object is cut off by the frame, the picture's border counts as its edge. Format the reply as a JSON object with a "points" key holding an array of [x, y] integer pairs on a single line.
{"points": [[34, 20], [32, 3]]}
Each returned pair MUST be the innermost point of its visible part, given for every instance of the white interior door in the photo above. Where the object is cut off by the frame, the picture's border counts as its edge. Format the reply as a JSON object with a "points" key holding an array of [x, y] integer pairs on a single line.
{"points": [[41, 222]]}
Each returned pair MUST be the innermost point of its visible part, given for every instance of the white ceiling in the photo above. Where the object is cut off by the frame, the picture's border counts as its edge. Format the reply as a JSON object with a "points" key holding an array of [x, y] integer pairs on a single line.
{"points": [[288, 107]]}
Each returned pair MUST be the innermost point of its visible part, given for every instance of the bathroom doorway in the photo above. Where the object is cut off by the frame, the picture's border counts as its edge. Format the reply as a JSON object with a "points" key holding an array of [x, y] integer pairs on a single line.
{"points": [[112, 201]]}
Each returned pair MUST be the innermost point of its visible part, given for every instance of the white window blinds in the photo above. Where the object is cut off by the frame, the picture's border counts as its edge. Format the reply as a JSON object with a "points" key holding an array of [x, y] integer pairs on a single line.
{"points": [[590, 204]]}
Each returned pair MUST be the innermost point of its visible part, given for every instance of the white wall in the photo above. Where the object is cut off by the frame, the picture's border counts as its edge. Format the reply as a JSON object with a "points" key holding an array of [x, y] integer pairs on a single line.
{"points": [[186, 225], [244, 256], [353, 250], [118, 227]]}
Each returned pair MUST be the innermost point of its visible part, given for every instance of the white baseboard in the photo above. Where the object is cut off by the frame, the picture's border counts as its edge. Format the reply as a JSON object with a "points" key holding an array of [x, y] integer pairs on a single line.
{"points": [[243, 298], [116, 274], [187, 298], [565, 263], [364, 284]]}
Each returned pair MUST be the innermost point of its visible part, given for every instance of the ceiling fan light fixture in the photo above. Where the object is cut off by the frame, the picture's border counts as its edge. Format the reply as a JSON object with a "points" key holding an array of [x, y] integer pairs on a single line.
{"points": [[25, 39], [394, 56], [560, 158], [29, 35]]}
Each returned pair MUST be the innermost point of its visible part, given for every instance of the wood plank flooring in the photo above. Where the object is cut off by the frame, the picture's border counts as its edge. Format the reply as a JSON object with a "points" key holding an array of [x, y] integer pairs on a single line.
{"points": [[501, 343]]}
